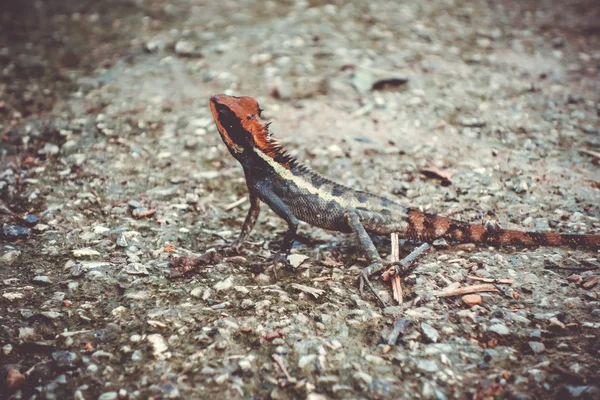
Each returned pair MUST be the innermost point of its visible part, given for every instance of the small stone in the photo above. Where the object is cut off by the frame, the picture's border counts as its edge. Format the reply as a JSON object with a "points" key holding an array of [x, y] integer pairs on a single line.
{"points": [[589, 129], [187, 48], [192, 198], [9, 257], [41, 280], [51, 149], [375, 359], [140, 295], [537, 347], [363, 380], [521, 187], [245, 365], [108, 396], [134, 204], [471, 299], [191, 143], [7, 349], [296, 259], [440, 244], [262, 279], [170, 391], [121, 241], [247, 304], [101, 354], [471, 122], [427, 365], [101, 230], [221, 379], [13, 295], [135, 338], [499, 329], [136, 269], [14, 379], [64, 359], [159, 346], [13, 232], [137, 355], [362, 80], [85, 252], [30, 220], [224, 285], [563, 346], [151, 46], [26, 334], [306, 360], [51, 314], [430, 333]]}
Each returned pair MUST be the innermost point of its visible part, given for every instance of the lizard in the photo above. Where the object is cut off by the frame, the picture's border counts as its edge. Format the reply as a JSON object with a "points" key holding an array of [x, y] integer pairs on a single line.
{"points": [[297, 193]]}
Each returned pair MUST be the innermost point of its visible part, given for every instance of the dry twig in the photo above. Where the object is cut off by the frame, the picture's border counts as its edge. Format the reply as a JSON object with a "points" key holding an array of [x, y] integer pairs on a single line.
{"points": [[506, 281], [236, 203], [484, 287], [279, 361]]}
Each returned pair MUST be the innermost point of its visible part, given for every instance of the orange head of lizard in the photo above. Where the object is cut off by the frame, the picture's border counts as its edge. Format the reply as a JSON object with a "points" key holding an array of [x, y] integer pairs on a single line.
{"points": [[239, 124]]}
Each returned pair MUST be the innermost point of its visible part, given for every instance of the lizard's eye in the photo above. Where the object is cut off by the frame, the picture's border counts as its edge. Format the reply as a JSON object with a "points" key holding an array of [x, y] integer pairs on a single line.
{"points": [[248, 118]]}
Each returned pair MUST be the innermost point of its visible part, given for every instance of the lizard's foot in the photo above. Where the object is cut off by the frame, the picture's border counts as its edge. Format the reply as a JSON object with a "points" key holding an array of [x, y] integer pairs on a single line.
{"points": [[236, 247], [408, 263], [279, 261], [364, 280]]}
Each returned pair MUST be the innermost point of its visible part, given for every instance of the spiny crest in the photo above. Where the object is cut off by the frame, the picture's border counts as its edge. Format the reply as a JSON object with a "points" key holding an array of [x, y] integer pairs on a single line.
{"points": [[271, 146]]}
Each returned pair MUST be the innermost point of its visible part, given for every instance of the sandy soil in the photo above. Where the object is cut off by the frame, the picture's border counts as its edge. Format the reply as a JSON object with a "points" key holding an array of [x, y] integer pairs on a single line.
{"points": [[112, 173]]}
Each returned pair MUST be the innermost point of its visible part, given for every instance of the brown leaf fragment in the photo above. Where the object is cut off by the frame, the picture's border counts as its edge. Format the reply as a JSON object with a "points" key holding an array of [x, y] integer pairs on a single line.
{"points": [[390, 83], [435, 173], [142, 212], [272, 335], [237, 260], [14, 379], [590, 283], [179, 266]]}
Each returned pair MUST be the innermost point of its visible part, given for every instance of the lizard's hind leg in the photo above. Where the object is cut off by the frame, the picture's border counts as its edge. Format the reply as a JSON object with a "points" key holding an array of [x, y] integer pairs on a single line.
{"points": [[375, 262]]}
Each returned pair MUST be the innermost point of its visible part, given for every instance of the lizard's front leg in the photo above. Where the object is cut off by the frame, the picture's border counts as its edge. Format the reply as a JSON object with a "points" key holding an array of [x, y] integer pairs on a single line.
{"points": [[249, 222], [281, 209], [375, 262]]}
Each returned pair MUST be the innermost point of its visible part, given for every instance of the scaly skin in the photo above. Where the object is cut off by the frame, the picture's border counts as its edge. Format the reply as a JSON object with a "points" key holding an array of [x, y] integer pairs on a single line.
{"points": [[296, 193]]}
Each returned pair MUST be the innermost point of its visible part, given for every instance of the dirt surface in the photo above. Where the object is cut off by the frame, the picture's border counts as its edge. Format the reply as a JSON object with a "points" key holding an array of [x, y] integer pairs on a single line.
{"points": [[113, 179]]}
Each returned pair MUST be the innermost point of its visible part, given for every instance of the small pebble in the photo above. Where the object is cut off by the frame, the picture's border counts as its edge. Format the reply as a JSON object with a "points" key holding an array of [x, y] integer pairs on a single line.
{"points": [[537, 347], [41, 280], [499, 329], [13, 232]]}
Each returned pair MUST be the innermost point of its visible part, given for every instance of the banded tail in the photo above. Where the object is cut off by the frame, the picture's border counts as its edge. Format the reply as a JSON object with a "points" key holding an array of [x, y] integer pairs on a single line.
{"points": [[428, 227]]}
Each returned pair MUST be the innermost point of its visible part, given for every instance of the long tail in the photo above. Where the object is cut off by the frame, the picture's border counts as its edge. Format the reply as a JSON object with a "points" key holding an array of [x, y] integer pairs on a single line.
{"points": [[428, 227]]}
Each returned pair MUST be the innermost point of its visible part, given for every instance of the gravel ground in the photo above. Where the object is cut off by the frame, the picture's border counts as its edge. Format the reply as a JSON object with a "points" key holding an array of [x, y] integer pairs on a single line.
{"points": [[118, 198]]}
